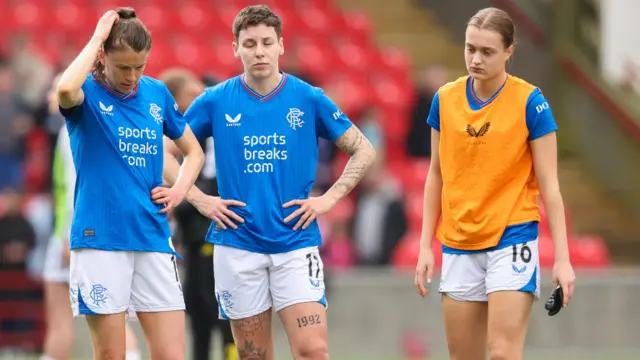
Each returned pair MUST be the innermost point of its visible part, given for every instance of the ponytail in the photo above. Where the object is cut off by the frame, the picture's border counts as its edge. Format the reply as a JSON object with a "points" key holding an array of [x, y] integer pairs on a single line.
{"points": [[98, 70]]}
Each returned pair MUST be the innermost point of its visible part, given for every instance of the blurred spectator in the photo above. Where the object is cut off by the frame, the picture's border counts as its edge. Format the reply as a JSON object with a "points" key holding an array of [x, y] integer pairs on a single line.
{"points": [[380, 220], [338, 251], [419, 136], [10, 120], [371, 128], [17, 237], [33, 73]]}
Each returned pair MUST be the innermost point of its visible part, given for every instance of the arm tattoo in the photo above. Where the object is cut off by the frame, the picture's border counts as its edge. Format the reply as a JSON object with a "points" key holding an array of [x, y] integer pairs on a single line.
{"points": [[249, 351], [362, 153]]}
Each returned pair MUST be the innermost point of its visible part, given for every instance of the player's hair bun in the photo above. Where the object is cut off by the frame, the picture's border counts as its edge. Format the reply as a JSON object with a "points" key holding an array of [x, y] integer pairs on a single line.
{"points": [[126, 13]]}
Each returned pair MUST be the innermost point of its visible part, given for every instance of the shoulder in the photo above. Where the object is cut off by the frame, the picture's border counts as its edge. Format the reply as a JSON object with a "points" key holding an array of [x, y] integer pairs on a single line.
{"points": [[522, 86], [455, 85], [225, 87], [302, 88], [149, 83]]}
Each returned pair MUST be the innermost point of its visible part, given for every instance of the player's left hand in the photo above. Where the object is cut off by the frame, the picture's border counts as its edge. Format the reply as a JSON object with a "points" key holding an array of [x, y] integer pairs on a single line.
{"points": [[564, 276], [169, 196], [309, 210]]}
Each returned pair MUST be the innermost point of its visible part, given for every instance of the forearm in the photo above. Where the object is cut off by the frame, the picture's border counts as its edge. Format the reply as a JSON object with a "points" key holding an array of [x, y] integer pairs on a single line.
{"points": [[355, 170], [74, 76], [172, 172], [189, 170], [432, 208], [554, 207]]}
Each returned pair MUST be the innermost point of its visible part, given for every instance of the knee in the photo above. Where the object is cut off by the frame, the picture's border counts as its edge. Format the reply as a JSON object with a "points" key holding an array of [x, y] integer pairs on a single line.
{"points": [[499, 351], [313, 350], [109, 354], [170, 356]]}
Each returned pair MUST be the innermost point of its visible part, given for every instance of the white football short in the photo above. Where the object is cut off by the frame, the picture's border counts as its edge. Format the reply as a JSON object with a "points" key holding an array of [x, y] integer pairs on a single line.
{"points": [[248, 283], [111, 282], [55, 270], [472, 277]]}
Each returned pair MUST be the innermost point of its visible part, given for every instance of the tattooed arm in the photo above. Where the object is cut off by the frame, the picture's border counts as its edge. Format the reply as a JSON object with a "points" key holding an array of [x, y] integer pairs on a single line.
{"points": [[362, 154]]}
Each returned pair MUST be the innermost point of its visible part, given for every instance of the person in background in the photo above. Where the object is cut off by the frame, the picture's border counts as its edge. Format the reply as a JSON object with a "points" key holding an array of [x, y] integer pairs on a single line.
{"points": [[199, 285]]}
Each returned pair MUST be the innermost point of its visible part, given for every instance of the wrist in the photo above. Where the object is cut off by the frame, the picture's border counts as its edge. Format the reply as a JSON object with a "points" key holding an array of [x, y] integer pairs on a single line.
{"points": [[192, 196], [332, 197], [96, 40], [426, 244]]}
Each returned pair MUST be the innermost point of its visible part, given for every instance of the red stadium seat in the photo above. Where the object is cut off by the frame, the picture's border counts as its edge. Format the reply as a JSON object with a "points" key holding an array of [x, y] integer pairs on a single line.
{"points": [[589, 252], [316, 20], [27, 16], [196, 20], [396, 61], [354, 25], [68, 17]]}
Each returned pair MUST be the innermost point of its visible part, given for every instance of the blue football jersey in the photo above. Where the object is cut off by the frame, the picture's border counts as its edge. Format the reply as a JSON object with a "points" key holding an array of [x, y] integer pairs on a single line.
{"points": [[266, 151], [116, 141]]}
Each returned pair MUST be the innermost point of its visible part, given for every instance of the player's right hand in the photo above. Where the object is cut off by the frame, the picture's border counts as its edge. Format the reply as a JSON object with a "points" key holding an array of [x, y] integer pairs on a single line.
{"points": [[66, 254], [424, 270], [216, 209], [103, 29]]}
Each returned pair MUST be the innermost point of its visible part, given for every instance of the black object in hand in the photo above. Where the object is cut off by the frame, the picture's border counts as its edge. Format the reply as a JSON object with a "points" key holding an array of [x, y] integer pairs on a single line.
{"points": [[554, 303]]}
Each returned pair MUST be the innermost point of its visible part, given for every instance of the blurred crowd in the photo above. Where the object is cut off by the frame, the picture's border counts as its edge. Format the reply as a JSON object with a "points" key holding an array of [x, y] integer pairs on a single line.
{"points": [[362, 230]]}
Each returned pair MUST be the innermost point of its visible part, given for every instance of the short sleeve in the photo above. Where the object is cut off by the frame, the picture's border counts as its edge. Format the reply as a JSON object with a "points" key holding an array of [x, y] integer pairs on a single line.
{"points": [[198, 116], [331, 122], [174, 123], [434, 113], [75, 113], [540, 120]]}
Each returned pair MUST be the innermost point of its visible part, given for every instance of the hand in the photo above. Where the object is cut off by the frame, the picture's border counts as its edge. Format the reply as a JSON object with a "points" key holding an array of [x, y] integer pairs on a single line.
{"points": [[309, 210], [103, 29], [563, 274], [216, 209], [170, 197], [424, 270], [66, 254]]}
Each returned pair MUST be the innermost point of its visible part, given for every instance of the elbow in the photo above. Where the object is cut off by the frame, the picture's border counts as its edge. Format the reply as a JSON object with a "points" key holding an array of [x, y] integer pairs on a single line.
{"points": [[197, 156], [550, 192], [65, 95], [371, 153], [64, 91]]}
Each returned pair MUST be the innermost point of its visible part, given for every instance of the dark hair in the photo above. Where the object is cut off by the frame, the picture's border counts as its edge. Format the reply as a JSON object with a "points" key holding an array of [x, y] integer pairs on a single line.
{"points": [[127, 33], [255, 15], [495, 20]]}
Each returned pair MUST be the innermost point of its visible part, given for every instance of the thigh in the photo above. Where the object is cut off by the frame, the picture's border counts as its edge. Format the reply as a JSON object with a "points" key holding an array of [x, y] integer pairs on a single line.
{"points": [[100, 281], [253, 336], [156, 283], [58, 307], [465, 324], [297, 277], [241, 282], [165, 333], [306, 327], [463, 276], [513, 282], [108, 335]]}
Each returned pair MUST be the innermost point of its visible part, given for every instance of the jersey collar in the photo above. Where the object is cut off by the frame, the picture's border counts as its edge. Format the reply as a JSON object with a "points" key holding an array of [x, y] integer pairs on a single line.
{"points": [[270, 95], [117, 93]]}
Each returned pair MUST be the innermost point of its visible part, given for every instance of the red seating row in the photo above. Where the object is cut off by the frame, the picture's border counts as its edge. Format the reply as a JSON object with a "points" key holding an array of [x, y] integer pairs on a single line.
{"points": [[585, 251]]}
